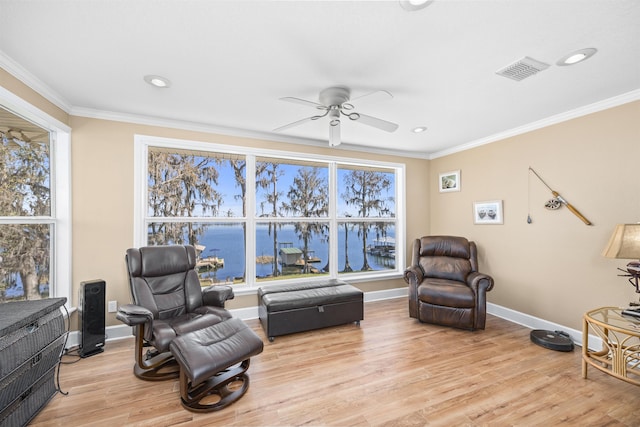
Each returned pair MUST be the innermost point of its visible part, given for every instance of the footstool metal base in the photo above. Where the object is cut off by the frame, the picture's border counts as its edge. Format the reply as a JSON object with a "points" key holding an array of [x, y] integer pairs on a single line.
{"points": [[219, 391]]}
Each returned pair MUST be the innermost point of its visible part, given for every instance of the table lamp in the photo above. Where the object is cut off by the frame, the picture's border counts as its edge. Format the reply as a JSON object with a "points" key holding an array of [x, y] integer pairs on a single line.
{"points": [[625, 244]]}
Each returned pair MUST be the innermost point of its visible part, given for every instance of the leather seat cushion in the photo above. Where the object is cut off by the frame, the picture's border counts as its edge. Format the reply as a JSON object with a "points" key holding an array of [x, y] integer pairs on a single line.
{"points": [[221, 312], [165, 331], [446, 292]]}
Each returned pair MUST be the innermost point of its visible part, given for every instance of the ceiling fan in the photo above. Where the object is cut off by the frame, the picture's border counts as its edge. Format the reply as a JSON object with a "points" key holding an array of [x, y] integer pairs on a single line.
{"points": [[336, 102]]}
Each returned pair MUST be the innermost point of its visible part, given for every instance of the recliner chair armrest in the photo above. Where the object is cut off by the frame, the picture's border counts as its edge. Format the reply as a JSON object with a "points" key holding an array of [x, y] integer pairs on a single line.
{"points": [[216, 295], [132, 315], [477, 280], [413, 275]]}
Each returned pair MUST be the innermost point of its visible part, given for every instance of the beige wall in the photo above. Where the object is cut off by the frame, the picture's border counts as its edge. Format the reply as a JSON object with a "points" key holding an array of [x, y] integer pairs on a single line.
{"points": [[551, 268], [102, 159]]}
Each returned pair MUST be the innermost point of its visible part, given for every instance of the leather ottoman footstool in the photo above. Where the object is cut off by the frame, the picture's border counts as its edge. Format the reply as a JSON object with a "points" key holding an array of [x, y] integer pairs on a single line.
{"points": [[285, 309], [213, 363]]}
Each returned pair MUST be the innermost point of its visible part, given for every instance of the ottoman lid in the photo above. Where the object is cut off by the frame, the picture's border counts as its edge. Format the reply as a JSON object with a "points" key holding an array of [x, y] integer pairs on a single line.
{"points": [[272, 289], [303, 298]]}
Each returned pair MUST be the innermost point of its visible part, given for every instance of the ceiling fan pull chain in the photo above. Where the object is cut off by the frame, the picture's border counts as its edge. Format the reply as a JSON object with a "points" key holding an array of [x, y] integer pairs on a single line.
{"points": [[320, 116], [335, 116]]}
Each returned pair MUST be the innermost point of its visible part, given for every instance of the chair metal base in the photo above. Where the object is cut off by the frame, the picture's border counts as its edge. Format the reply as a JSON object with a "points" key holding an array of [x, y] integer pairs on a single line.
{"points": [[167, 369], [153, 365], [221, 390]]}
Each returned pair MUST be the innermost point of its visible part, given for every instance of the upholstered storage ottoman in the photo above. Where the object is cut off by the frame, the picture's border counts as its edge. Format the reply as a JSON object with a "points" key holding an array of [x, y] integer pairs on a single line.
{"points": [[32, 336], [286, 309]]}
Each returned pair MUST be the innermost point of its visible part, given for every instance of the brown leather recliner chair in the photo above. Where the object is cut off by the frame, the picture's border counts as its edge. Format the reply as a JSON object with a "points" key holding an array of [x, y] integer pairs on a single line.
{"points": [[445, 286], [168, 301]]}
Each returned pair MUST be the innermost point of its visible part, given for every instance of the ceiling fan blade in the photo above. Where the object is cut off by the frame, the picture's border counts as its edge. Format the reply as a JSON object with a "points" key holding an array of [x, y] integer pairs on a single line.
{"points": [[334, 134], [378, 95], [377, 123], [304, 102], [296, 123]]}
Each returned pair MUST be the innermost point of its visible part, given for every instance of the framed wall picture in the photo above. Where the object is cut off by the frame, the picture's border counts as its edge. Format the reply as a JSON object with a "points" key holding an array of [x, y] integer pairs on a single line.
{"points": [[449, 181], [489, 212]]}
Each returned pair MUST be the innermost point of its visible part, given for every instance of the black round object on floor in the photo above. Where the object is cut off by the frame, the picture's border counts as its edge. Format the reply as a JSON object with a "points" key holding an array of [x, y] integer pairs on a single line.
{"points": [[554, 340]]}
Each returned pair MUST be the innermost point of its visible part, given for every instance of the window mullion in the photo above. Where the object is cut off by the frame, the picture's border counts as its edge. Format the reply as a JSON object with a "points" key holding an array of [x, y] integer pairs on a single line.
{"points": [[333, 222], [250, 219]]}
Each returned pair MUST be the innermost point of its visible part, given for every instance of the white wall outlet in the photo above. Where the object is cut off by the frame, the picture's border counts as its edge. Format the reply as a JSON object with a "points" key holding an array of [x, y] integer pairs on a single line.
{"points": [[113, 306]]}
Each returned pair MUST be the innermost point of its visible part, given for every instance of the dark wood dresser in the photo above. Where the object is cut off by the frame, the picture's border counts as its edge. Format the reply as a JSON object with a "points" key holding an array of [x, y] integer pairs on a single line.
{"points": [[32, 337]]}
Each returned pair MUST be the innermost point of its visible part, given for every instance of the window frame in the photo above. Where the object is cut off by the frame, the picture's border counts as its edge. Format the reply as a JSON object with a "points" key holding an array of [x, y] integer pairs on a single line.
{"points": [[60, 174], [142, 143]]}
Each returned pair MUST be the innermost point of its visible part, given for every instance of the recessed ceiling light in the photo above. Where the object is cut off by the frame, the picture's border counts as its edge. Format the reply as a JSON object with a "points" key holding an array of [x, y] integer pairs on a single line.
{"points": [[577, 56], [413, 5], [157, 81], [419, 129]]}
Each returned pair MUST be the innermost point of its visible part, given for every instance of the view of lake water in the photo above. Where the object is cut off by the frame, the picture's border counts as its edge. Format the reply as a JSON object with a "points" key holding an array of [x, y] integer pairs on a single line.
{"points": [[227, 242]]}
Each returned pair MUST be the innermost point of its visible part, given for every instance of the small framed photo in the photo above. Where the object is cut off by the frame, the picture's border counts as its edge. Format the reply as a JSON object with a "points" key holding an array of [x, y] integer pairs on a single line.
{"points": [[489, 212], [449, 181]]}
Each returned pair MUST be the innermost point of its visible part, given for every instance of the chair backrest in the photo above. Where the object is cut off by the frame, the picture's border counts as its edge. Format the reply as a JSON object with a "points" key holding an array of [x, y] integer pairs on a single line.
{"points": [[163, 279], [446, 257]]}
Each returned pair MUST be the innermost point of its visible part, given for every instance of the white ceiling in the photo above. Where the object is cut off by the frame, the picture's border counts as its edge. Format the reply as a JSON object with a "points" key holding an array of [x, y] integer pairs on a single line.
{"points": [[230, 61]]}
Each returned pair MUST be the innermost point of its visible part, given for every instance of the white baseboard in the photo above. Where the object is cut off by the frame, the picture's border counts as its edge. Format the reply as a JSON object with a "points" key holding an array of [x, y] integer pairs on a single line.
{"points": [[113, 333], [119, 332], [532, 322], [252, 312]]}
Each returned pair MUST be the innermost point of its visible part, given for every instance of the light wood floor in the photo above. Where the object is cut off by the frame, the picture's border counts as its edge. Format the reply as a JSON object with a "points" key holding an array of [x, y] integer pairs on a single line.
{"points": [[390, 371]]}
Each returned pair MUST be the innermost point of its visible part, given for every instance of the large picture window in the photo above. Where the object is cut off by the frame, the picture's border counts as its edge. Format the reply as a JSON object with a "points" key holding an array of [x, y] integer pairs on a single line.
{"points": [[34, 204], [262, 217]]}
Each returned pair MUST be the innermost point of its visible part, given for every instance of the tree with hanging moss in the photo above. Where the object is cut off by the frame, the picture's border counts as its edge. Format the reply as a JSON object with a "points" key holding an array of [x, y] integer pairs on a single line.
{"points": [[308, 198], [347, 227], [181, 185], [25, 192], [267, 175], [239, 167], [364, 190]]}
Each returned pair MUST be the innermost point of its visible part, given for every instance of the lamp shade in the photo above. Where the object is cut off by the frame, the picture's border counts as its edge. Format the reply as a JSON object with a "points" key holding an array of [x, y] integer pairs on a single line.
{"points": [[624, 242]]}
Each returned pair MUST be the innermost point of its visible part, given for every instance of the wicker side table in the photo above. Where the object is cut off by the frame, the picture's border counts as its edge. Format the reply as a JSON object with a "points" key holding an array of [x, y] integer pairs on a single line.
{"points": [[620, 335]]}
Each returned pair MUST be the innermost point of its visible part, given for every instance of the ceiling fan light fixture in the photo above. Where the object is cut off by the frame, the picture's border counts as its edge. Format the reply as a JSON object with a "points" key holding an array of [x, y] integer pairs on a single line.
{"points": [[157, 81], [577, 56], [414, 5]]}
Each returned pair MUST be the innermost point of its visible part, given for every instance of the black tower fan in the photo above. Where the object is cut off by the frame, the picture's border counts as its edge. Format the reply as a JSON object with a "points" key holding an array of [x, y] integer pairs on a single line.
{"points": [[91, 317]]}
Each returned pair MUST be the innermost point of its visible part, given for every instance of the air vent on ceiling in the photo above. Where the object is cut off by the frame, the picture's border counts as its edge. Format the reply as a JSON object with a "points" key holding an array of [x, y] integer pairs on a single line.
{"points": [[523, 68]]}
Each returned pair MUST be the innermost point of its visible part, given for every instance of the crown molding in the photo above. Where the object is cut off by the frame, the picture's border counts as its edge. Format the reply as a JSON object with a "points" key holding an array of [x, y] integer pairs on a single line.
{"points": [[20, 73], [231, 131], [552, 120]]}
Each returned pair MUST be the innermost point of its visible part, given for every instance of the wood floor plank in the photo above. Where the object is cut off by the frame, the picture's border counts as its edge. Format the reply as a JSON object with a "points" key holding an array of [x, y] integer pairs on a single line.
{"points": [[390, 371]]}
